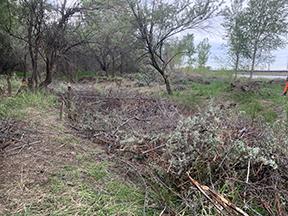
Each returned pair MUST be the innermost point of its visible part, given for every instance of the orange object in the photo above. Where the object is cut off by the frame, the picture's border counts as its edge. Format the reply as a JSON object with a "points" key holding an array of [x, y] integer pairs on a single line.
{"points": [[286, 88]]}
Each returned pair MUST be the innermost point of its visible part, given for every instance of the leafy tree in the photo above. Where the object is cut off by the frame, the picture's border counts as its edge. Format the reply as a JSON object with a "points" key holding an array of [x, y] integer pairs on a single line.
{"points": [[8, 58], [60, 36], [188, 42], [203, 51], [159, 20], [265, 25], [236, 39], [182, 49]]}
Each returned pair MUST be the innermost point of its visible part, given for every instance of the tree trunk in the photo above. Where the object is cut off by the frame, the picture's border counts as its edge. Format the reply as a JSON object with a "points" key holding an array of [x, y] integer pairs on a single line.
{"points": [[113, 66], [155, 64], [236, 67], [121, 67], [253, 62], [25, 67], [49, 71], [167, 84], [34, 77], [9, 85]]}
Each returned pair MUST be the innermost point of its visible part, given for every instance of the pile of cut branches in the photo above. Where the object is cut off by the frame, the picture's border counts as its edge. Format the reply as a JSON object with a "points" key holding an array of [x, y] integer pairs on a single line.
{"points": [[13, 137], [225, 152], [10, 134], [132, 123]]}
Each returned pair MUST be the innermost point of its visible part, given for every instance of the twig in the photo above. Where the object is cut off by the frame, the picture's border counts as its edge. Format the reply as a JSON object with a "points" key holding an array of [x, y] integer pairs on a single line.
{"points": [[21, 147], [202, 190], [153, 149], [248, 171], [163, 211], [247, 179], [126, 122], [219, 199]]}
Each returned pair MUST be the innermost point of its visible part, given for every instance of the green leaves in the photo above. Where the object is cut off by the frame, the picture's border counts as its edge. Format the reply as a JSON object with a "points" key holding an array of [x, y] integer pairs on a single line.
{"points": [[256, 30], [203, 50]]}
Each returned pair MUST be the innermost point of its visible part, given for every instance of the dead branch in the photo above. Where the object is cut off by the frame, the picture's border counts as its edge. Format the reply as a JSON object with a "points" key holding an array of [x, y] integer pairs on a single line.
{"points": [[219, 199], [153, 149]]}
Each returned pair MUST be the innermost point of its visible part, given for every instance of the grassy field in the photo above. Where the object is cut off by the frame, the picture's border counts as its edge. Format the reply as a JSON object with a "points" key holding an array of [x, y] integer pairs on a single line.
{"points": [[87, 185], [84, 186], [265, 101]]}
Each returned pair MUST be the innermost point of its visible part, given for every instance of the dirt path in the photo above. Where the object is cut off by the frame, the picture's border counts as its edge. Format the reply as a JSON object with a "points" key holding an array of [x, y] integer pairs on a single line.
{"points": [[46, 147], [51, 170]]}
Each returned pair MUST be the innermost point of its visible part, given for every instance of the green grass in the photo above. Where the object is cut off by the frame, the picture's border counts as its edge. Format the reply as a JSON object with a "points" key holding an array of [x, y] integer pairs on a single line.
{"points": [[20, 74], [266, 103], [17, 106], [89, 189], [16, 83], [83, 74], [199, 93]]}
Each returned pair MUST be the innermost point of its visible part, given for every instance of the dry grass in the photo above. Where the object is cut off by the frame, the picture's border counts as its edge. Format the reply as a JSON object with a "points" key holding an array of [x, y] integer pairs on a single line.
{"points": [[51, 171]]}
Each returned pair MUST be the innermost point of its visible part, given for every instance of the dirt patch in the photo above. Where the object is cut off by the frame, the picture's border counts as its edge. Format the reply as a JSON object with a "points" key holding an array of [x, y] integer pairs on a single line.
{"points": [[32, 152]]}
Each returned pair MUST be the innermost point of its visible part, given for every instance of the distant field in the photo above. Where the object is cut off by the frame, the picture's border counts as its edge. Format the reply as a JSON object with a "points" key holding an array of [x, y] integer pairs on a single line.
{"points": [[267, 73]]}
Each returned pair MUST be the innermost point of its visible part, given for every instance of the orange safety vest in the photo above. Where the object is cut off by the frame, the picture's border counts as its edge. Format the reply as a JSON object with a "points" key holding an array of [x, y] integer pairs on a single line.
{"points": [[286, 88]]}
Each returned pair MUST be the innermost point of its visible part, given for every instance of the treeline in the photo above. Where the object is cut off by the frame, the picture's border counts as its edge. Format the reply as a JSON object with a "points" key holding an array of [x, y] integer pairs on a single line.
{"points": [[46, 38]]}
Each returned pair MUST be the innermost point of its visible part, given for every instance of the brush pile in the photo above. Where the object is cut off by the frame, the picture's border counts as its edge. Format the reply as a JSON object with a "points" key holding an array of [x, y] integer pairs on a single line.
{"points": [[10, 134], [245, 161]]}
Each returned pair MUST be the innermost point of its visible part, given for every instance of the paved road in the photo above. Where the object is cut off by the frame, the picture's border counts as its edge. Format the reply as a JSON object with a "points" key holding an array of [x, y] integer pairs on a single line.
{"points": [[264, 76]]}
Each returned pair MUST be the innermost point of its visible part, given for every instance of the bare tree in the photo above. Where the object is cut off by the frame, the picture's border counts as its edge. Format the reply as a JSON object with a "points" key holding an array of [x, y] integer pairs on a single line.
{"points": [[159, 20], [32, 17], [59, 36], [9, 59]]}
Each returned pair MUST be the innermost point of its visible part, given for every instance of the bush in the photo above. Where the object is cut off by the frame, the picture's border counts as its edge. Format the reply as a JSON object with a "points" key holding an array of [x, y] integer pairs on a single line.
{"points": [[219, 146]]}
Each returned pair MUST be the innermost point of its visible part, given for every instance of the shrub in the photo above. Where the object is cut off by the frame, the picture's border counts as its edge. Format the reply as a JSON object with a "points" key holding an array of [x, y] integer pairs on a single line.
{"points": [[219, 146]]}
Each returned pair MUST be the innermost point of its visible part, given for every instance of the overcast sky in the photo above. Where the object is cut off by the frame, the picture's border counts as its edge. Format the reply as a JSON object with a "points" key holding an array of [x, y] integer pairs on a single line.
{"points": [[218, 56]]}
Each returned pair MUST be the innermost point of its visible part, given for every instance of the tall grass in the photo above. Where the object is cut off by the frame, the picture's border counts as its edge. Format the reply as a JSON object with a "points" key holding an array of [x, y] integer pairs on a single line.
{"points": [[17, 106]]}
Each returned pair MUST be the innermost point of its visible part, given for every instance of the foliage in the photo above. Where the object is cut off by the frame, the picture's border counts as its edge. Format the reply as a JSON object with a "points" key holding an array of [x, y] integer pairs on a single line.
{"points": [[8, 57], [203, 51], [235, 34], [265, 24], [17, 106], [183, 50], [217, 146], [113, 44]]}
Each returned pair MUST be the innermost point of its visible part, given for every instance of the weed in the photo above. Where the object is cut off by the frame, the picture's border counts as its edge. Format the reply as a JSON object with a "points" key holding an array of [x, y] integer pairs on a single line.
{"points": [[71, 192], [198, 93], [83, 74], [17, 106], [15, 82], [98, 171]]}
